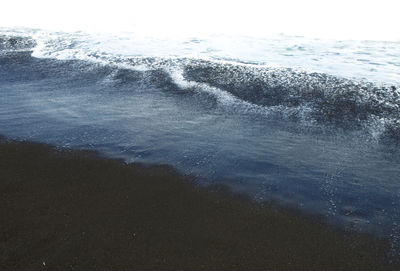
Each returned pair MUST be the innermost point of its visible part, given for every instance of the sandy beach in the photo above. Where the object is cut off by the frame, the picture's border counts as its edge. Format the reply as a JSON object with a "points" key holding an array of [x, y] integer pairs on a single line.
{"points": [[74, 210]]}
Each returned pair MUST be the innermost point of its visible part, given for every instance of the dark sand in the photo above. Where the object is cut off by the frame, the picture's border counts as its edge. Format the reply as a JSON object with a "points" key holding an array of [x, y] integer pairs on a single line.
{"points": [[72, 210]]}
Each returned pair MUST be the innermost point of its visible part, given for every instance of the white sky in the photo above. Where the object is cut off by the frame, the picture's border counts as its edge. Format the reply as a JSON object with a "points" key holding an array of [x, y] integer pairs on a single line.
{"points": [[342, 19]]}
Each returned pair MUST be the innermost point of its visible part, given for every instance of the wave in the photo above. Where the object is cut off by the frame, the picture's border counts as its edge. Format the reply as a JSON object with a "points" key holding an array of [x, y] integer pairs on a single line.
{"points": [[313, 98], [14, 43], [331, 99], [309, 97]]}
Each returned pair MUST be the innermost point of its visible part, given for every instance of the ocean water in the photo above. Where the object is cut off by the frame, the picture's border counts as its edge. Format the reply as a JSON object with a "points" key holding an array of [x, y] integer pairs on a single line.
{"points": [[312, 124]]}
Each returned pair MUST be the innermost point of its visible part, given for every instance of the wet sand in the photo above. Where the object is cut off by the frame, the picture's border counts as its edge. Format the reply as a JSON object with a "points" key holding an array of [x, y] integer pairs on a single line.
{"points": [[73, 210]]}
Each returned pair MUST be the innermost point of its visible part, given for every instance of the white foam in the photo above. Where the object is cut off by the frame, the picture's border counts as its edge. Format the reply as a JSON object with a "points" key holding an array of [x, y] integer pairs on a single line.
{"points": [[231, 102], [360, 60]]}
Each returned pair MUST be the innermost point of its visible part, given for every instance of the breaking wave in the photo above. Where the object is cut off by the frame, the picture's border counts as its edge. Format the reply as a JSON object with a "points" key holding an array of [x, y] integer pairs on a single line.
{"points": [[312, 98]]}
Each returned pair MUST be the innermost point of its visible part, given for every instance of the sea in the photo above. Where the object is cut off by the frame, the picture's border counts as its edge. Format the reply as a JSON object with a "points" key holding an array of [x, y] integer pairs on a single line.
{"points": [[311, 124]]}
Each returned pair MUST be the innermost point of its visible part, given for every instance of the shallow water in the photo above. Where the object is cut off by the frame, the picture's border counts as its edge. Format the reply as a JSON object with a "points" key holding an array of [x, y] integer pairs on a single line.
{"points": [[260, 129]]}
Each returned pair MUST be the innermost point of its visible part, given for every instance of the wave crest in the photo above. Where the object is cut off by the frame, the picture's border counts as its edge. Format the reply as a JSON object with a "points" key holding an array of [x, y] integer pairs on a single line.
{"points": [[332, 99]]}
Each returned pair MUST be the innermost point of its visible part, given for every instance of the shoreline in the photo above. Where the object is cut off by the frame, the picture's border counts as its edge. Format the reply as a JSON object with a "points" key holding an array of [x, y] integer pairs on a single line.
{"points": [[73, 209]]}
